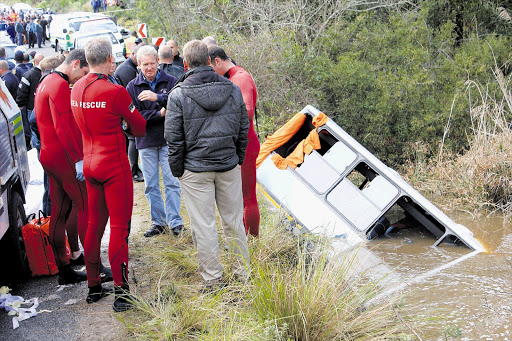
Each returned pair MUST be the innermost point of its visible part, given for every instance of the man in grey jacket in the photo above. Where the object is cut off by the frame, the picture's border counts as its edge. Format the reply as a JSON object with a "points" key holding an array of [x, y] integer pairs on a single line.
{"points": [[206, 129]]}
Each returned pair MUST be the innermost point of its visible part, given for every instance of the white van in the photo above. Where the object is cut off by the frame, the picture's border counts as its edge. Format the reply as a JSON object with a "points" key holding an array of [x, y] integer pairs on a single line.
{"points": [[343, 190], [63, 26]]}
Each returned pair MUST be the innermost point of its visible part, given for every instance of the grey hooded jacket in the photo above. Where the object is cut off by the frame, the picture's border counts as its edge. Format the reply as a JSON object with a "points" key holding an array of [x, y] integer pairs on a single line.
{"points": [[206, 123]]}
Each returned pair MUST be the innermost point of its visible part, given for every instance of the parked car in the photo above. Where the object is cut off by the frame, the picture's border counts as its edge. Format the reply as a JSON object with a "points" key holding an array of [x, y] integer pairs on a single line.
{"points": [[10, 49], [80, 39], [101, 24]]}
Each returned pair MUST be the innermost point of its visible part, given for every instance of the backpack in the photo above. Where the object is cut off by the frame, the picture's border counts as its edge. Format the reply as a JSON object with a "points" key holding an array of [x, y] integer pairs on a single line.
{"points": [[37, 245]]}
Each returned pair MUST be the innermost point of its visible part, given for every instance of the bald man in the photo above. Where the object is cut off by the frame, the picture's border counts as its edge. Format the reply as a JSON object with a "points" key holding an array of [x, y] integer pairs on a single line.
{"points": [[209, 41], [11, 81], [177, 61], [165, 62]]}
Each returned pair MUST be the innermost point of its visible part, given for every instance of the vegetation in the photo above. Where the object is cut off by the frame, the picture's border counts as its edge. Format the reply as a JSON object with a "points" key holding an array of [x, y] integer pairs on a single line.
{"points": [[480, 178], [296, 292], [390, 72]]}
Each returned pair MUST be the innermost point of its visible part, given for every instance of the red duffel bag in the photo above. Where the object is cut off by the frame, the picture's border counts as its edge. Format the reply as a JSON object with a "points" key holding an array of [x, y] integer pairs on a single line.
{"points": [[37, 245]]}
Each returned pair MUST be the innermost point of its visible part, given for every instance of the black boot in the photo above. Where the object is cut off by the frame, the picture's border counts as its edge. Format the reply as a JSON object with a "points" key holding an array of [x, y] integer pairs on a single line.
{"points": [[69, 276], [105, 274], [79, 261], [123, 300], [97, 293]]}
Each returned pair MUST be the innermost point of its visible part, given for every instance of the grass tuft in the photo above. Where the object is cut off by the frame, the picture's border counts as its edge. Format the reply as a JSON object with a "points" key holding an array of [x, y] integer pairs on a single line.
{"points": [[299, 289]]}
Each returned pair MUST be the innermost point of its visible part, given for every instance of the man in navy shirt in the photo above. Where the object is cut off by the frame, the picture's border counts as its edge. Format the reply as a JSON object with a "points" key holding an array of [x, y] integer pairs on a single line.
{"points": [[11, 81], [21, 67]]}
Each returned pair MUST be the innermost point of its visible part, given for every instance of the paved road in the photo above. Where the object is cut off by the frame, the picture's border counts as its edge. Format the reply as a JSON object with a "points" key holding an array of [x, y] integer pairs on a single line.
{"points": [[45, 50]]}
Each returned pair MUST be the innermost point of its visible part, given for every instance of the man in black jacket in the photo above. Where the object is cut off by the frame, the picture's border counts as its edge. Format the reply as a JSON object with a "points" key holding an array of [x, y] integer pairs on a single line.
{"points": [[206, 127], [123, 75], [177, 60], [27, 88], [25, 100], [165, 60], [128, 69]]}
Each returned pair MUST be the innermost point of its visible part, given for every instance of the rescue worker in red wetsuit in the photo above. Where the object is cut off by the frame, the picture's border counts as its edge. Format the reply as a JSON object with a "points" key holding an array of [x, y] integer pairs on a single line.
{"points": [[224, 66], [99, 108], [61, 155]]}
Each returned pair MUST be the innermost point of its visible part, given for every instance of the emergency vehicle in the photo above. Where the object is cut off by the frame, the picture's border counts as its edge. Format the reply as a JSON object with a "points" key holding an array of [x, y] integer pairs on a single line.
{"points": [[14, 178], [63, 26]]}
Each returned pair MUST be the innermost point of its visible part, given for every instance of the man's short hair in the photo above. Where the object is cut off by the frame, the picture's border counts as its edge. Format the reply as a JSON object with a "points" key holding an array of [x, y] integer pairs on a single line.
{"points": [[217, 52], [165, 52], [209, 41], [3, 65], [26, 57], [2, 52], [38, 58], [76, 54], [97, 51], [136, 48], [49, 63], [147, 50], [195, 53]]}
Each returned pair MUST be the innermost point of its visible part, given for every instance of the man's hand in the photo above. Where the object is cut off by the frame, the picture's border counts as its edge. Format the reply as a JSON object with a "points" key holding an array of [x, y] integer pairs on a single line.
{"points": [[148, 95], [163, 111], [79, 167]]}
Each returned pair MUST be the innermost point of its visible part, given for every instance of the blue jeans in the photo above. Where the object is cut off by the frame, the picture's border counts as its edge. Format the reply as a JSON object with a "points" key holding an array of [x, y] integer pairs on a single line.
{"points": [[20, 39], [47, 203], [151, 158]]}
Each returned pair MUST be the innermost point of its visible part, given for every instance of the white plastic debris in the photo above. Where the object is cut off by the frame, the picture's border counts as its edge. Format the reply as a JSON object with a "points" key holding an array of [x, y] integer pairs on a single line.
{"points": [[14, 305], [62, 287], [72, 301]]}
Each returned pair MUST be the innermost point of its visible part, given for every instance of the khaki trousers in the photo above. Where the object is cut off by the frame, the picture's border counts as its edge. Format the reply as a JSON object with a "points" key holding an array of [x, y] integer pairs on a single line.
{"points": [[201, 191]]}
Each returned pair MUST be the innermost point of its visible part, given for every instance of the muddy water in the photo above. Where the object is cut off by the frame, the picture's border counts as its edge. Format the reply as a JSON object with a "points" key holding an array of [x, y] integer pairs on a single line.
{"points": [[471, 294]]}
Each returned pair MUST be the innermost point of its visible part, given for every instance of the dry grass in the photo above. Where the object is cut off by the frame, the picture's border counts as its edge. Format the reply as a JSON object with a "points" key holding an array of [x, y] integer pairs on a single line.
{"points": [[295, 292], [479, 179]]}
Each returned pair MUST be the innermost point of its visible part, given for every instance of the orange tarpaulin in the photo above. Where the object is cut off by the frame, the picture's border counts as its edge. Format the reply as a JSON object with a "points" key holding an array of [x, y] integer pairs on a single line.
{"points": [[280, 137], [283, 135]]}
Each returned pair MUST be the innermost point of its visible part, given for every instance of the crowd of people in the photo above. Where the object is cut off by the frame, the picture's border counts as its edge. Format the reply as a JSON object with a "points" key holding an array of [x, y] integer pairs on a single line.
{"points": [[98, 128], [25, 27]]}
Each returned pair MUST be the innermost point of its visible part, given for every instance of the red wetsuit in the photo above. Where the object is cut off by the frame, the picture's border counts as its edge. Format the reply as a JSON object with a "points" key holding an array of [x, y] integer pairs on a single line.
{"points": [[251, 211], [61, 148], [98, 107]]}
